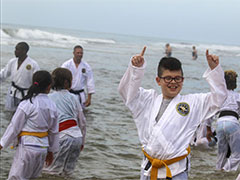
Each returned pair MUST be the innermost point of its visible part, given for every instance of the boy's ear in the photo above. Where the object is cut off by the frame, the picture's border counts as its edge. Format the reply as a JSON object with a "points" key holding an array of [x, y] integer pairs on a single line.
{"points": [[158, 80]]}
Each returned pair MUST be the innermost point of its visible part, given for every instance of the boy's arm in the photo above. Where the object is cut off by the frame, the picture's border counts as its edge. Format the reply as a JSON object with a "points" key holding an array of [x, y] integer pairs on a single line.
{"points": [[131, 80], [213, 60], [215, 78]]}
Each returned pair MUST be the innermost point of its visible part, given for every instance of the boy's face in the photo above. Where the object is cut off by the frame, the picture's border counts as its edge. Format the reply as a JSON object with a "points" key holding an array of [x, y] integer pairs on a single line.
{"points": [[170, 89]]}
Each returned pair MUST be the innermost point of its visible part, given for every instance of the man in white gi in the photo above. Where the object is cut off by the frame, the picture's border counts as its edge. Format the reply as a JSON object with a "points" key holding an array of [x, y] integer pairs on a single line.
{"points": [[82, 76], [167, 122], [20, 70]]}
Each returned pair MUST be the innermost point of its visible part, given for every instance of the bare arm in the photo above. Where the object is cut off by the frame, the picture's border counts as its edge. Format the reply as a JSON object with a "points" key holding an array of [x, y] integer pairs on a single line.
{"points": [[88, 101]]}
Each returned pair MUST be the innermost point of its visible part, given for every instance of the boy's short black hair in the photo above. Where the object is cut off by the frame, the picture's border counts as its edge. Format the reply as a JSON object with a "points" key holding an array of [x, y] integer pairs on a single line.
{"points": [[169, 63]]}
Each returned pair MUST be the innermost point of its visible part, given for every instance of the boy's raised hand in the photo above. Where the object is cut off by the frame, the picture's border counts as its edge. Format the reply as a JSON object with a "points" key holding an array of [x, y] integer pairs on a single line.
{"points": [[213, 60], [138, 60]]}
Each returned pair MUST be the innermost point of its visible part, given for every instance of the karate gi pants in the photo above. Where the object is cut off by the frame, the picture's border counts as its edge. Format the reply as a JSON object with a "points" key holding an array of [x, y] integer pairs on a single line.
{"points": [[181, 176], [27, 163], [228, 133], [65, 159]]}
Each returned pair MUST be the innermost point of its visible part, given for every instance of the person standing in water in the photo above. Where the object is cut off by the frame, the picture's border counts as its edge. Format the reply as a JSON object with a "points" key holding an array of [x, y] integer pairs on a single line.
{"points": [[166, 122], [72, 124], [20, 70], [228, 127], [168, 50], [194, 53], [33, 130], [82, 77]]}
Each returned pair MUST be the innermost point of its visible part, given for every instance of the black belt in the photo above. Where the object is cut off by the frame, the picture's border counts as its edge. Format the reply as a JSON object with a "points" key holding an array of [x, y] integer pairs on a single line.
{"points": [[19, 88], [228, 113], [76, 92]]}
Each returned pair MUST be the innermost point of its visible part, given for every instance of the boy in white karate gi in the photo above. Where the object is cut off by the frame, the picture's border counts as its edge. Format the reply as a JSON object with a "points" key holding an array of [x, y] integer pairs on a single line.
{"points": [[167, 122], [20, 70]]}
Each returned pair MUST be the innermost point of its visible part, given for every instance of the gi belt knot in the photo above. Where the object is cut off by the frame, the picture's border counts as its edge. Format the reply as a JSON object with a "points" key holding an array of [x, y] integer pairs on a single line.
{"points": [[158, 163]]}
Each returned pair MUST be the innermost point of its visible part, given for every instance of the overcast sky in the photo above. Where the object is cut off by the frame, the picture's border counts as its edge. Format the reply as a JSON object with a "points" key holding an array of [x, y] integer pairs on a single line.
{"points": [[201, 20]]}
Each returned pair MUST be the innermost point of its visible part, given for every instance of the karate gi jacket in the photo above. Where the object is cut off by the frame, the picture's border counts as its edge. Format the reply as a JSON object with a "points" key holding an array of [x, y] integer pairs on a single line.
{"points": [[82, 76], [38, 116], [232, 103], [171, 135], [69, 108], [22, 77]]}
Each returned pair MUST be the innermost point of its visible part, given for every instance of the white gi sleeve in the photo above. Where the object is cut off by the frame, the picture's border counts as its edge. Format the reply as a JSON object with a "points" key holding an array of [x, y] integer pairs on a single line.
{"points": [[81, 121], [5, 72], [90, 81], [14, 128], [214, 100], [36, 67], [135, 97], [238, 102], [130, 82], [53, 135]]}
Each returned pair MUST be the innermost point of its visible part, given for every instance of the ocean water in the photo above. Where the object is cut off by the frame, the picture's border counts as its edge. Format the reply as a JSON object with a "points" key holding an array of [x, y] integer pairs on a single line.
{"points": [[112, 149]]}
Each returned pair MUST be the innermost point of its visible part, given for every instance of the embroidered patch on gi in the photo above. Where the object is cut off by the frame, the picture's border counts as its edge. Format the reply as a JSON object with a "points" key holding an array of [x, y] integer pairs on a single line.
{"points": [[28, 67], [183, 108], [83, 70]]}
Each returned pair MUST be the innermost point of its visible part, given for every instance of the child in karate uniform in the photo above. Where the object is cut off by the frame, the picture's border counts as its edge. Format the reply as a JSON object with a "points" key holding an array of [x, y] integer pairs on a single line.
{"points": [[166, 123], [72, 124], [35, 127], [228, 127]]}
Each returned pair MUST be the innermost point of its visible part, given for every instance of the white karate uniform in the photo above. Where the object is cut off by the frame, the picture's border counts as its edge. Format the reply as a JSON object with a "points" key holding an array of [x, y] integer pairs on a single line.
{"points": [[71, 139], [22, 77], [200, 140], [82, 78], [238, 178], [38, 116], [228, 132], [171, 135]]}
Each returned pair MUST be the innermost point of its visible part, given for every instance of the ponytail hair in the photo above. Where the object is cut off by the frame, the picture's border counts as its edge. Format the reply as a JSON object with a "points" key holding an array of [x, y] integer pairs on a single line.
{"points": [[40, 82]]}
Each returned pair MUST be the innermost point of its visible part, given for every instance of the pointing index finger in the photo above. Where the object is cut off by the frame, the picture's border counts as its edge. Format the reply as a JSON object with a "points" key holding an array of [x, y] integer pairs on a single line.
{"points": [[207, 52], [143, 51]]}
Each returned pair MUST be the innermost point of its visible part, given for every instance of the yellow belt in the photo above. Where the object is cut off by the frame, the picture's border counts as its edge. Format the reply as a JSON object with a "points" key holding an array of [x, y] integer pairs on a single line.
{"points": [[157, 163], [37, 134]]}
